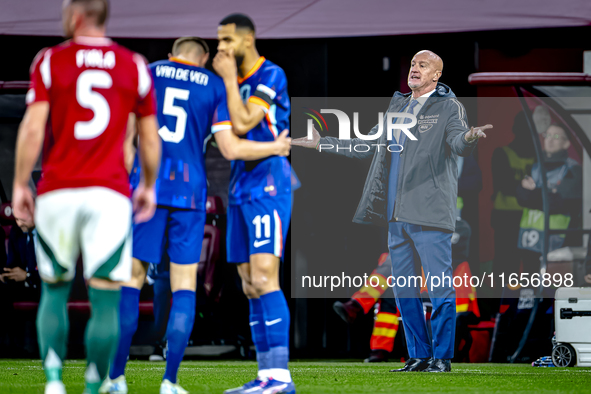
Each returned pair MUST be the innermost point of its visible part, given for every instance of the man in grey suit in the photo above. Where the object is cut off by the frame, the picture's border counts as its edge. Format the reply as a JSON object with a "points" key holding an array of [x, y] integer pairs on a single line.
{"points": [[413, 192]]}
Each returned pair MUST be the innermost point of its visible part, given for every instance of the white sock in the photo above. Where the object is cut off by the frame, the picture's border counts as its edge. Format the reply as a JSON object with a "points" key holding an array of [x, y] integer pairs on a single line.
{"points": [[263, 374], [55, 387], [279, 374]]}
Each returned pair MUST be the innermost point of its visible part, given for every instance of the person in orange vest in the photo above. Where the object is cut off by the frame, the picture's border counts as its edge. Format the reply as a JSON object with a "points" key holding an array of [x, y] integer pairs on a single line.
{"points": [[387, 316]]}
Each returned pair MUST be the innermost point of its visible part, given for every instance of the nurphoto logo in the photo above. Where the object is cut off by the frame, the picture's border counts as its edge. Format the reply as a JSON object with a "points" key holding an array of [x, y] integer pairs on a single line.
{"points": [[393, 120]]}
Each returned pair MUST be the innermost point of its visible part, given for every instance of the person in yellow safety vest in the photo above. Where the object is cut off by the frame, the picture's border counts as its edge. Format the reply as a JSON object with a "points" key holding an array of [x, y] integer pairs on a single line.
{"points": [[509, 166], [565, 187]]}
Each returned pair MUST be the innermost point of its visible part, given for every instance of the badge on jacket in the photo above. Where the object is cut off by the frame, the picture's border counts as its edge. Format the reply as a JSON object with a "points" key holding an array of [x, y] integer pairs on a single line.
{"points": [[426, 122]]}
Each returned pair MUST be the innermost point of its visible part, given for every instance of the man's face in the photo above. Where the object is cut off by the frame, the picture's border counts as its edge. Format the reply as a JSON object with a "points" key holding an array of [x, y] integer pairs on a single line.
{"points": [[555, 140], [423, 71], [25, 225], [230, 38]]}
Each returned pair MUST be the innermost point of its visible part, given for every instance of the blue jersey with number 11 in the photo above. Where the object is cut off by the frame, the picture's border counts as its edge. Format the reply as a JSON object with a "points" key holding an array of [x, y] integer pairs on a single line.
{"points": [[191, 106]]}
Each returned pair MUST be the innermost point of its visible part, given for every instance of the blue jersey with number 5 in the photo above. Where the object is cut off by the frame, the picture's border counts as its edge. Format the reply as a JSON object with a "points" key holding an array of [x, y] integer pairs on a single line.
{"points": [[191, 106], [266, 86]]}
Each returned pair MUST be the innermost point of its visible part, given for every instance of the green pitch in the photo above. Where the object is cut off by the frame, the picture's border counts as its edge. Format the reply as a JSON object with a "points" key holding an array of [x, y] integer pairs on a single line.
{"points": [[144, 377]]}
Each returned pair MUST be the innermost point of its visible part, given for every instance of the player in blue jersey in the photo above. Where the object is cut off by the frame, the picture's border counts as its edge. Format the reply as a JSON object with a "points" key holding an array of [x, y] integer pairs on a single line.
{"points": [[260, 197], [191, 107]]}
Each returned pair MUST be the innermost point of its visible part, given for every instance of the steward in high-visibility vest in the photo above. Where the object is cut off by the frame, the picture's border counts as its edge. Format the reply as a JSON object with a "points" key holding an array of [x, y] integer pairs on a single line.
{"points": [[506, 201], [565, 188], [510, 164]]}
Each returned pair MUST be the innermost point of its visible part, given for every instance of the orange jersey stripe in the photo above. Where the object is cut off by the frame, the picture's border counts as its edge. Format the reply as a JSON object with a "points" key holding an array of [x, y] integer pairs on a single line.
{"points": [[182, 61], [259, 101], [253, 70]]}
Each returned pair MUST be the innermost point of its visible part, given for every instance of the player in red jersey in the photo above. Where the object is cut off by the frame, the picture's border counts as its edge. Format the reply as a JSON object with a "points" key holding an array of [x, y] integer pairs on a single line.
{"points": [[85, 90]]}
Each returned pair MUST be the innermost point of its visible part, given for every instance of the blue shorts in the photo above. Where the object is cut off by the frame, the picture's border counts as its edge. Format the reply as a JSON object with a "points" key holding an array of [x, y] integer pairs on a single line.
{"points": [[258, 226], [180, 231]]}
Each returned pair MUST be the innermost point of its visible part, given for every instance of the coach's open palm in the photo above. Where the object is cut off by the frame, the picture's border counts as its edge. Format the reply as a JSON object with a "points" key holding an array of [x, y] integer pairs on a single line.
{"points": [[306, 142], [283, 143], [144, 203]]}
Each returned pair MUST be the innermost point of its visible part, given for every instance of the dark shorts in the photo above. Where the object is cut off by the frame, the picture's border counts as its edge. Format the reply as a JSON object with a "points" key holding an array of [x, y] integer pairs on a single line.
{"points": [[258, 226], [179, 230]]}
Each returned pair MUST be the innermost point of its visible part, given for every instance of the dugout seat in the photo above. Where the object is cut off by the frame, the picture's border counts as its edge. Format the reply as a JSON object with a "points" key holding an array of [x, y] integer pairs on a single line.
{"points": [[216, 212], [214, 205]]}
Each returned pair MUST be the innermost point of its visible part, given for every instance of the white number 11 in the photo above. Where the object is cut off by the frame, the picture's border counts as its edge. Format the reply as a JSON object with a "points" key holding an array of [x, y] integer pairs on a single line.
{"points": [[266, 221]]}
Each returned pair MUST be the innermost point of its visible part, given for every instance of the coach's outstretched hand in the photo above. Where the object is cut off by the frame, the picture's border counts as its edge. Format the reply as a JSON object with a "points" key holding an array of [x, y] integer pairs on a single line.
{"points": [[283, 143], [476, 133], [306, 142], [23, 203], [144, 203]]}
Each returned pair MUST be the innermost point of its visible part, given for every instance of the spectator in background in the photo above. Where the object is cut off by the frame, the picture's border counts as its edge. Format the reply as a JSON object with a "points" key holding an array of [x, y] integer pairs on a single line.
{"points": [[565, 190], [2, 247], [19, 281], [510, 164], [20, 272]]}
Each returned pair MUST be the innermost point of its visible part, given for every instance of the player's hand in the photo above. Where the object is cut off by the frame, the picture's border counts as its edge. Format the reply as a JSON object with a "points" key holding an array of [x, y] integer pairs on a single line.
{"points": [[528, 183], [16, 274], [224, 63], [306, 142], [144, 203], [283, 143], [23, 204], [476, 133]]}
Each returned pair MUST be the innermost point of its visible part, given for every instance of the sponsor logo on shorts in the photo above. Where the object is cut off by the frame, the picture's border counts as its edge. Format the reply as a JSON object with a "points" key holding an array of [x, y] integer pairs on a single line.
{"points": [[257, 244], [270, 323]]}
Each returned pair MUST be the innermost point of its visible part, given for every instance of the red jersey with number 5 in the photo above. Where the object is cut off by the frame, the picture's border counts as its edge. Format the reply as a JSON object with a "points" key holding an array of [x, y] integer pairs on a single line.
{"points": [[92, 85]]}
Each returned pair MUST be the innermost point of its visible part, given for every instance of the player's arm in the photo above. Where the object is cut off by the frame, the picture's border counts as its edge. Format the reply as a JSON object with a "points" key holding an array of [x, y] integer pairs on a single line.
{"points": [[144, 197], [235, 148], [149, 145], [244, 117], [149, 148], [128, 146], [29, 140], [28, 146]]}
